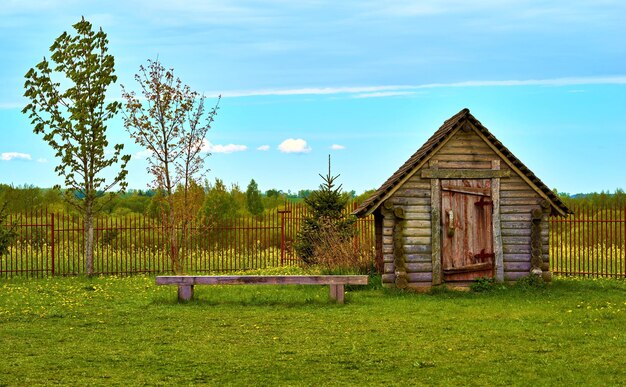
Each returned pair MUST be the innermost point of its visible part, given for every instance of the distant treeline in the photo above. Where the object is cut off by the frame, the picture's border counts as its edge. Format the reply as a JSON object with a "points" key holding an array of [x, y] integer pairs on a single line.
{"points": [[233, 200], [211, 196], [604, 199]]}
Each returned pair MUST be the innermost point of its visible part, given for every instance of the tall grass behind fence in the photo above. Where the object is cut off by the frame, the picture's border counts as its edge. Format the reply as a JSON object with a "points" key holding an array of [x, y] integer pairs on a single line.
{"points": [[590, 243], [53, 244]]}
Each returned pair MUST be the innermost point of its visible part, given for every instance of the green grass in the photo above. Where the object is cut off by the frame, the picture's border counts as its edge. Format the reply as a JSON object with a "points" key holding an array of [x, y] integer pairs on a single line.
{"points": [[127, 331]]}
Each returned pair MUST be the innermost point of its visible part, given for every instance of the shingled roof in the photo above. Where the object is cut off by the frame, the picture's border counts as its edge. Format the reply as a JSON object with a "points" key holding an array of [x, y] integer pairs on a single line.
{"points": [[440, 136]]}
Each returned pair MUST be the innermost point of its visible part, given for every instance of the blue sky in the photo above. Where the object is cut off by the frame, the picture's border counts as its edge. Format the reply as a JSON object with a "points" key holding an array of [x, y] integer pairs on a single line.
{"points": [[365, 81]]}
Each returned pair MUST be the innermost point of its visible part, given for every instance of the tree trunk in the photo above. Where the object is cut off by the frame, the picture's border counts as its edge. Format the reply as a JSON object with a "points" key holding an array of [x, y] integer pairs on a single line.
{"points": [[173, 240], [176, 266], [88, 232]]}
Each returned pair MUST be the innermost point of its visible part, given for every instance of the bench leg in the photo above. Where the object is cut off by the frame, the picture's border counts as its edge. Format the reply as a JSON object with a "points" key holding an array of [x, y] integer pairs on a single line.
{"points": [[337, 293], [185, 292]]}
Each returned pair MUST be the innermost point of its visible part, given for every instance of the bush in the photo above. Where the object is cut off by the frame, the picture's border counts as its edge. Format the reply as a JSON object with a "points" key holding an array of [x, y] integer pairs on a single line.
{"points": [[531, 281], [7, 232], [335, 254], [482, 285], [326, 229]]}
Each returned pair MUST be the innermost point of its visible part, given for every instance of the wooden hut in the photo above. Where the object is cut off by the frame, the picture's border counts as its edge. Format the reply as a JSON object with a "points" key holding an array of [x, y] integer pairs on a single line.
{"points": [[462, 207]]}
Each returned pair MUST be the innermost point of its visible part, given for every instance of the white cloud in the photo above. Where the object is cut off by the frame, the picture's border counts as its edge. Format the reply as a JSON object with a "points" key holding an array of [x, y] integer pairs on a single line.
{"points": [[263, 148], [380, 94], [42, 160], [337, 147], [294, 145], [8, 156], [308, 91], [395, 90], [216, 148], [143, 154]]}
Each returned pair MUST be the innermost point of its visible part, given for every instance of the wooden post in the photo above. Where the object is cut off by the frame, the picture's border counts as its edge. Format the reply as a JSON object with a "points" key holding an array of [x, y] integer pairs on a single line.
{"points": [[185, 292], [435, 224], [378, 232], [497, 228], [536, 248], [399, 260], [337, 293]]}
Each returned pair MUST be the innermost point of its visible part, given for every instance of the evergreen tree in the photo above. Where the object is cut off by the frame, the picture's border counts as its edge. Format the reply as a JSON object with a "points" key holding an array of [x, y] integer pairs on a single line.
{"points": [[253, 199], [325, 217]]}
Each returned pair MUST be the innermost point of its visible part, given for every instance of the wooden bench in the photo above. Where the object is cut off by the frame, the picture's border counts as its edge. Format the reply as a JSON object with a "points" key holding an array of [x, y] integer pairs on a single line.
{"points": [[187, 282]]}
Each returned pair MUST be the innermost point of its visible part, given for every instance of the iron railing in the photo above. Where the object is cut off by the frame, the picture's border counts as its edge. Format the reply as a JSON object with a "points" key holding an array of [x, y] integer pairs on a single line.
{"points": [[49, 244], [591, 242]]}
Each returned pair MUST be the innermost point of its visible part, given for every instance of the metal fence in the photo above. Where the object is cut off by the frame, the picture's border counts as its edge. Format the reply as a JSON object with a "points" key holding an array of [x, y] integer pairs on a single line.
{"points": [[591, 243], [50, 244]]}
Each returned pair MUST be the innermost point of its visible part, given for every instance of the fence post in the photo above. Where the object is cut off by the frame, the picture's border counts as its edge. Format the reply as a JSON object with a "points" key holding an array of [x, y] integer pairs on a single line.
{"points": [[52, 240], [282, 236]]}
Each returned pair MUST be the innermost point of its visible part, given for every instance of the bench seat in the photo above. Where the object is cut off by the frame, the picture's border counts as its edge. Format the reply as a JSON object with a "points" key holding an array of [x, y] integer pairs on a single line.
{"points": [[187, 282]]}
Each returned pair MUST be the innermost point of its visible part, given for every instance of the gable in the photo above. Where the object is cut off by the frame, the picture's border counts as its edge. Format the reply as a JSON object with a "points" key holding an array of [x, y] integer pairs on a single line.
{"points": [[462, 142]]}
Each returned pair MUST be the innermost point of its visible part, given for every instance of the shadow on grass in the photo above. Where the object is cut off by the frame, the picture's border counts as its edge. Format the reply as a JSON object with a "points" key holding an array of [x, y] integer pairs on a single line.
{"points": [[290, 296]]}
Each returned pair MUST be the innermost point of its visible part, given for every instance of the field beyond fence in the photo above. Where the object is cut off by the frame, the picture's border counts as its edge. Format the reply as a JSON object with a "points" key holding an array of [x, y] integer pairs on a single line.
{"points": [[50, 244], [589, 243]]}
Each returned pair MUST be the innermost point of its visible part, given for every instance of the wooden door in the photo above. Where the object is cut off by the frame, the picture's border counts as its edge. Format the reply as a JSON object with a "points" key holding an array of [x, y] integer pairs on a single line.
{"points": [[467, 236]]}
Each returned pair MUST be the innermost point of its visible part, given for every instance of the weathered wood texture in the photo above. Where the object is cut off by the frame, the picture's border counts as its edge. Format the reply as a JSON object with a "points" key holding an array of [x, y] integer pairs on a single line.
{"points": [[467, 235], [463, 173], [466, 154], [497, 225], [435, 189], [261, 280], [186, 283], [378, 235]]}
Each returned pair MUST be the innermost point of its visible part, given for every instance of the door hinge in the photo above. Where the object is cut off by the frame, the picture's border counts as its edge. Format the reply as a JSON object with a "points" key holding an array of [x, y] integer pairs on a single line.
{"points": [[482, 255], [482, 202]]}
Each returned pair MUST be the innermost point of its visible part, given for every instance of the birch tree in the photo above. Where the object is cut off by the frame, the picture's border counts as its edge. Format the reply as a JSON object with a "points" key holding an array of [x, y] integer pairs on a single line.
{"points": [[171, 122], [71, 115]]}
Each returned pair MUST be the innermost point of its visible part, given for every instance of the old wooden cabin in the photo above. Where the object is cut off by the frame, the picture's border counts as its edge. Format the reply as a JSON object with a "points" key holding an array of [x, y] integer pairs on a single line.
{"points": [[462, 207]]}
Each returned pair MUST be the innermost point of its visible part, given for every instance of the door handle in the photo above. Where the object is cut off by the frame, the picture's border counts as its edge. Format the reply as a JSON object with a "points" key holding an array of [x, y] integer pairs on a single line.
{"points": [[450, 214]]}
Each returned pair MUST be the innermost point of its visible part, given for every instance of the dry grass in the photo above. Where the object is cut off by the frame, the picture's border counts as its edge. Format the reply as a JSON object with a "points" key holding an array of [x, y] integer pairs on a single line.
{"points": [[335, 253]]}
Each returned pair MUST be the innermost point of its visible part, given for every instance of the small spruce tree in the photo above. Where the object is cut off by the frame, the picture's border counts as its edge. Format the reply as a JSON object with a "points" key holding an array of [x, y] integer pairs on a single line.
{"points": [[253, 199], [325, 218]]}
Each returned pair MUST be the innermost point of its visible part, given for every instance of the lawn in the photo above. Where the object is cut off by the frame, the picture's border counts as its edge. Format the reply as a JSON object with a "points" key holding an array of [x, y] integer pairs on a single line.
{"points": [[127, 331]]}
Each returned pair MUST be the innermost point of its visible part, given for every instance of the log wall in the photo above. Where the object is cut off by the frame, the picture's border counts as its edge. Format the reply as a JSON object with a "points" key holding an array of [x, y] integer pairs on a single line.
{"points": [[465, 150]]}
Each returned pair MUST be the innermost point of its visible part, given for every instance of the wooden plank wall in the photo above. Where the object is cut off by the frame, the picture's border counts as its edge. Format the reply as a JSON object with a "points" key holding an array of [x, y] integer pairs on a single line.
{"points": [[466, 150], [517, 200], [414, 198]]}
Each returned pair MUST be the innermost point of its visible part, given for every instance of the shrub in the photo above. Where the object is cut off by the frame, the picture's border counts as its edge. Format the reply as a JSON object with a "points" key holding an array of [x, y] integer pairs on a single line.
{"points": [[336, 254], [325, 226], [531, 281], [482, 285], [7, 232]]}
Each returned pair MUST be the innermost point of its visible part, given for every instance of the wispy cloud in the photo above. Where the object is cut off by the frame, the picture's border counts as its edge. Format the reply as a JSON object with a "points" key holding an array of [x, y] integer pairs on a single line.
{"points": [[42, 160], [217, 148], [8, 156], [11, 105], [294, 145], [396, 90], [263, 148], [337, 147], [382, 94], [143, 154]]}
